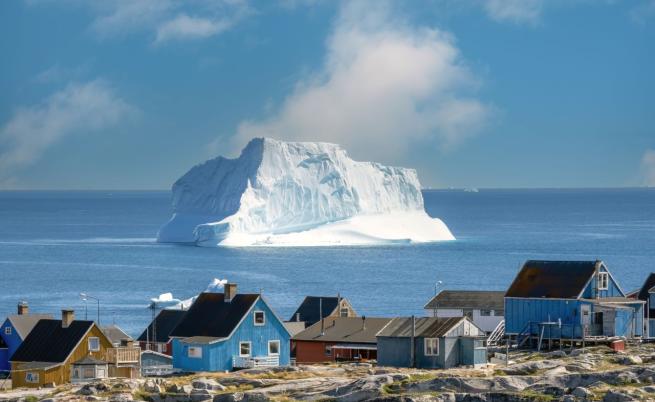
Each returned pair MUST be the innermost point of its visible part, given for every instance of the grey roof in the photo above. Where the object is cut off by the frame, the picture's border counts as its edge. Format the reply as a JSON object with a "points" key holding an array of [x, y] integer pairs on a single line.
{"points": [[24, 323], [89, 361], [468, 299], [431, 327], [344, 329], [115, 334]]}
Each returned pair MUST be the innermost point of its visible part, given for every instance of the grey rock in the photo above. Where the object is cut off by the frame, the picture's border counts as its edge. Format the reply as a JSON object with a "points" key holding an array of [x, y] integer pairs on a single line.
{"points": [[557, 353], [152, 387], [629, 360], [122, 397], [234, 397], [198, 395], [649, 389], [614, 396], [582, 392], [209, 384], [87, 389]]}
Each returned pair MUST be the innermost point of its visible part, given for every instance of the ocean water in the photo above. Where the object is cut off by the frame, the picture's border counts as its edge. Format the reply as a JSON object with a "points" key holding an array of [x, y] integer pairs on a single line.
{"points": [[55, 245]]}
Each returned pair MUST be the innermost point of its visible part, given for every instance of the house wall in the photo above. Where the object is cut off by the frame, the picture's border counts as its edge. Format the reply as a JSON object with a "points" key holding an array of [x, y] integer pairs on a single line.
{"points": [[394, 352], [472, 351], [218, 356], [520, 311], [591, 291], [61, 374], [651, 328], [165, 348], [12, 340], [486, 323], [4, 359], [312, 352]]}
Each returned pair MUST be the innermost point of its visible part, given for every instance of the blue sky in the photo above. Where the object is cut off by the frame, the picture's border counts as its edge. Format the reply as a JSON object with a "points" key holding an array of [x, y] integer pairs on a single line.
{"points": [[472, 93]]}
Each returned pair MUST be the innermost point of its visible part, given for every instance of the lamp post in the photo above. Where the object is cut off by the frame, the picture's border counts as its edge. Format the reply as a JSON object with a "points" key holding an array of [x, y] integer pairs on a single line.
{"points": [[85, 296]]}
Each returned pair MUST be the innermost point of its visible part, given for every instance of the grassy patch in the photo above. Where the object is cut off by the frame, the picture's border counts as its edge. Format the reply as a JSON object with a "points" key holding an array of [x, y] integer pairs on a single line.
{"points": [[536, 396], [31, 398]]}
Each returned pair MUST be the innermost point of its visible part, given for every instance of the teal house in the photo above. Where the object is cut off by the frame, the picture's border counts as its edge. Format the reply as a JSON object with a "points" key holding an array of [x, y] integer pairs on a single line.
{"points": [[228, 331], [646, 293], [14, 330], [431, 343], [570, 300]]}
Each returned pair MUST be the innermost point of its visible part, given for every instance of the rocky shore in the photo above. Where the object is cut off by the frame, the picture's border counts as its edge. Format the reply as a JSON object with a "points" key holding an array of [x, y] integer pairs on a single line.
{"points": [[595, 374]]}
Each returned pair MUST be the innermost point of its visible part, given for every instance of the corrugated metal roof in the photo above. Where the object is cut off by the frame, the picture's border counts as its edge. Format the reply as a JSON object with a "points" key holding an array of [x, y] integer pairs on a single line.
{"points": [[425, 327], [468, 299], [211, 316], [344, 329], [552, 279]]}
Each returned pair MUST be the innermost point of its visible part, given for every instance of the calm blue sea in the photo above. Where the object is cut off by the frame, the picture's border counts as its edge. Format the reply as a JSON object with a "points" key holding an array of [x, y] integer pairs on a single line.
{"points": [[54, 245]]}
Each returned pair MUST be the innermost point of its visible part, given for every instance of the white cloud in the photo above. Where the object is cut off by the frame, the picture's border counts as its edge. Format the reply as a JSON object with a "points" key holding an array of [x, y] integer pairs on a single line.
{"points": [[185, 27], [518, 11], [648, 167], [384, 86], [78, 108]]}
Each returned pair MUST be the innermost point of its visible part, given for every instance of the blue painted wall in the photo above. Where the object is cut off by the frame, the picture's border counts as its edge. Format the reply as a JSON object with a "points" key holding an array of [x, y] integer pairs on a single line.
{"points": [[518, 312], [651, 328], [4, 360], [613, 289], [13, 341], [218, 356]]}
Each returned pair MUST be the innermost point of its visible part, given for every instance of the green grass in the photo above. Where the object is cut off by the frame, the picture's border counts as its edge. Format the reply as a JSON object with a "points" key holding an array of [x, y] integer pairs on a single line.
{"points": [[31, 398]]}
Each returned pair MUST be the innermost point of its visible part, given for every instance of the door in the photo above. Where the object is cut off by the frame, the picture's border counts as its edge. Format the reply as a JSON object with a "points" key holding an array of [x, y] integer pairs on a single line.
{"points": [[585, 318]]}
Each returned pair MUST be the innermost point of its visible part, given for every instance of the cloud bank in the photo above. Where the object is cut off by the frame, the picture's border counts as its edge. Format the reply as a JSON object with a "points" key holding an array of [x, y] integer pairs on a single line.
{"points": [[78, 108], [648, 168], [518, 11], [384, 86]]}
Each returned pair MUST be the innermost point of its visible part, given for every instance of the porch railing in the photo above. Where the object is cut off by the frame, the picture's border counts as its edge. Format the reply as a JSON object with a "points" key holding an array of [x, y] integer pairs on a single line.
{"points": [[257, 361], [123, 355]]}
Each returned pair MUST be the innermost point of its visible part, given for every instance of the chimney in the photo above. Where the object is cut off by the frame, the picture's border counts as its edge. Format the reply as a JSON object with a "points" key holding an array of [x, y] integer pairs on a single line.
{"points": [[230, 291], [67, 317], [298, 317], [363, 322], [23, 308]]}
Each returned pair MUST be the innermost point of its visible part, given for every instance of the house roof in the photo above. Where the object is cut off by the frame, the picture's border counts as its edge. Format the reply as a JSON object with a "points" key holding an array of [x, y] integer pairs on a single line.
{"points": [[552, 279], [344, 329], [164, 323], [23, 323], [425, 327], [89, 360], [468, 299], [50, 342], [115, 334], [649, 283], [311, 308], [211, 316]]}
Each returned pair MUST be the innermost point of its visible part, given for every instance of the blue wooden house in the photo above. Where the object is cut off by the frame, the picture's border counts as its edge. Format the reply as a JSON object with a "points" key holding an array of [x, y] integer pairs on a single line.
{"points": [[227, 331], [646, 293], [431, 342], [13, 332], [570, 300]]}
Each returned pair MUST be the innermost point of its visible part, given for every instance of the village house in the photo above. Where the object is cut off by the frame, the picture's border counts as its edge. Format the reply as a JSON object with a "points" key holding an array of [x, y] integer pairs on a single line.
{"points": [[225, 331], [431, 343], [314, 308], [116, 335], [338, 339], [156, 336], [156, 364], [646, 293], [484, 307], [13, 332], [569, 300], [69, 350]]}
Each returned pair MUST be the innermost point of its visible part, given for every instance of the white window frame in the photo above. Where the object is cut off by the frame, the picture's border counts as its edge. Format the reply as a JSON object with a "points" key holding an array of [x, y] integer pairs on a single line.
{"points": [[344, 312], [603, 281], [249, 349], [7, 330], [94, 338], [278, 347], [254, 318], [31, 377], [197, 352], [435, 348]]}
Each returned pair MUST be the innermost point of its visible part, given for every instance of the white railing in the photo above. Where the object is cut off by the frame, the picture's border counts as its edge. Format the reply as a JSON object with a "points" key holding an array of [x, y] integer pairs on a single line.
{"points": [[257, 361], [497, 334]]}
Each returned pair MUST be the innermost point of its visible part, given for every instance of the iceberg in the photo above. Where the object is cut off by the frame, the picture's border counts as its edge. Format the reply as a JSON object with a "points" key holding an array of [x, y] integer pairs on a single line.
{"points": [[279, 193]]}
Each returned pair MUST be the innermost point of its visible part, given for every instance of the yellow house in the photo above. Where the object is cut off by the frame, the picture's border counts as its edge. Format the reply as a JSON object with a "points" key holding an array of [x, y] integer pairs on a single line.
{"points": [[69, 350]]}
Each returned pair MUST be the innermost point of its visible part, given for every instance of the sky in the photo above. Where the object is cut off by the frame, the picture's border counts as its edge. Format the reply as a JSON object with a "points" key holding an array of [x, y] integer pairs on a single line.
{"points": [[122, 94]]}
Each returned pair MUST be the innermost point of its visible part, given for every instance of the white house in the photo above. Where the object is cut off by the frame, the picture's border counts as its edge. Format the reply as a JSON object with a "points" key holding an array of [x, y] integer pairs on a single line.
{"points": [[485, 308]]}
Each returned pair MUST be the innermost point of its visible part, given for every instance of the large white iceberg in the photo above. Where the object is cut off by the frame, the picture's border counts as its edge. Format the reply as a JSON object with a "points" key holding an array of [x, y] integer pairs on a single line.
{"points": [[298, 194]]}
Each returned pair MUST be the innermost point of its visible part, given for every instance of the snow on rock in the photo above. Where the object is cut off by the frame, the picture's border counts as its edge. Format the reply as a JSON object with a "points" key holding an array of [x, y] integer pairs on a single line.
{"points": [[298, 194]]}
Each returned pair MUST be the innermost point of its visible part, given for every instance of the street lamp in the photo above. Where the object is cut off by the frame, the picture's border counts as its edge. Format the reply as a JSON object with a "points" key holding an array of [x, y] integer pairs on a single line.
{"points": [[85, 296]]}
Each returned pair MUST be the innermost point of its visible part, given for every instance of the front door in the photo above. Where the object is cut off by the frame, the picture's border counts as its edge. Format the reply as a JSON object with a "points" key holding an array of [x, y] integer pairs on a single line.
{"points": [[585, 318]]}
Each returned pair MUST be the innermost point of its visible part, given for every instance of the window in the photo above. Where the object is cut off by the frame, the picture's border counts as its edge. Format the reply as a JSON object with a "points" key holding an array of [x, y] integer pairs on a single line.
{"points": [[101, 373], [273, 348], [260, 319], [603, 280], [7, 330], [89, 372], [195, 352], [431, 346], [328, 350], [94, 344], [344, 312], [244, 349], [32, 377], [485, 313], [76, 373]]}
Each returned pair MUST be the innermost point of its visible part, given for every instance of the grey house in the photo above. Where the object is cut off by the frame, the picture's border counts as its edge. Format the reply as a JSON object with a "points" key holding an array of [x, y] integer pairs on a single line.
{"points": [[431, 342]]}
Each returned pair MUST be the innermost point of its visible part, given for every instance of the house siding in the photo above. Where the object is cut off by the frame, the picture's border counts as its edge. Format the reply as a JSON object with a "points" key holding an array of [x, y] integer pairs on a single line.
{"points": [[4, 359], [613, 289], [520, 311], [453, 352], [13, 342], [218, 356]]}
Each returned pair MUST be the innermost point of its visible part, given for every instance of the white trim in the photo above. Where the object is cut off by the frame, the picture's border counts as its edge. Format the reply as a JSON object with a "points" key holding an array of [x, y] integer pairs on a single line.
{"points": [[425, 346], [599, 281], [88, 341], [254, 318], [8, 330], [249, 348], [194, 348], [279, 346]]}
